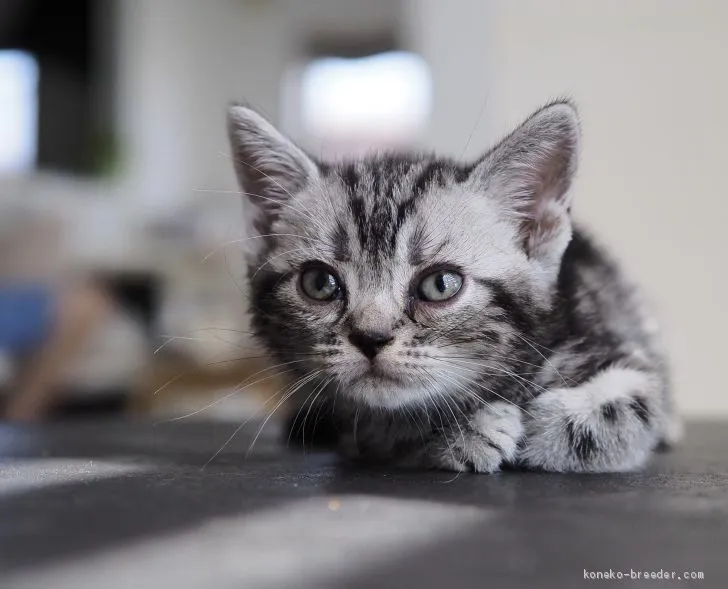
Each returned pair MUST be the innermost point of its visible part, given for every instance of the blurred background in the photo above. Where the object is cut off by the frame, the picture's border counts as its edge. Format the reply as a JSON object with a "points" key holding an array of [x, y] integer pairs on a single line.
{"points": [[114, 159]]}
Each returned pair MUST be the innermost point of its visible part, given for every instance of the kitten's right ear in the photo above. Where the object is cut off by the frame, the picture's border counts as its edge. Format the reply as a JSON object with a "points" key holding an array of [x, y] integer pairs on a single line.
{"points": [[270, 167]]}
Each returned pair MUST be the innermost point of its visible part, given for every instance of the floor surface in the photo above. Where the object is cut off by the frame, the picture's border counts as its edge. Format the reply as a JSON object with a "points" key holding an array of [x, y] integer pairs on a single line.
{"points": [[119, 504]]}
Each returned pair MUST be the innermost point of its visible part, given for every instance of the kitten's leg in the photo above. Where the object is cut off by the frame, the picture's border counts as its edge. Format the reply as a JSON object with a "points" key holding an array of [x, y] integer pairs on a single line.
{"points": [[487, 441], [610, 423], [481, 443]]}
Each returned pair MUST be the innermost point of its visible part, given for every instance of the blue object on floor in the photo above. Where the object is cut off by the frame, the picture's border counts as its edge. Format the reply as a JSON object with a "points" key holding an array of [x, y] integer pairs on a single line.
{"points": [[26, 316]]}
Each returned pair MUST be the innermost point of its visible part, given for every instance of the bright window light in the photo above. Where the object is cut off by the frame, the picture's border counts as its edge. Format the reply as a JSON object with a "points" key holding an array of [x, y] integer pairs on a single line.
{"points": [[18, 111], [386, 96]]}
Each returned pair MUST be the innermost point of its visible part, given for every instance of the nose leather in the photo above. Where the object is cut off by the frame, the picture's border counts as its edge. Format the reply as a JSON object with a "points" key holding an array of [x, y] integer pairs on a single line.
{"points": [[370, 342]]}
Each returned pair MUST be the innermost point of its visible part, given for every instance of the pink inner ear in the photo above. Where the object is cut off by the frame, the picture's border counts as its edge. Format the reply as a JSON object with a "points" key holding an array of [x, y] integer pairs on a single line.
{"points": [[545, 190], [546, 227]]}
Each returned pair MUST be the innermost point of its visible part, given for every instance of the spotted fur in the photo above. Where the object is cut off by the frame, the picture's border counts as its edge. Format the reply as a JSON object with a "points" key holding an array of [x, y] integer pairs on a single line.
{"points": [[545, 357]]}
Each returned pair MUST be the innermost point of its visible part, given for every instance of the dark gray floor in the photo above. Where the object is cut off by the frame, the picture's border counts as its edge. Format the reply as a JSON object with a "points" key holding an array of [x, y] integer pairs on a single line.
{"points": [[129, 505]]}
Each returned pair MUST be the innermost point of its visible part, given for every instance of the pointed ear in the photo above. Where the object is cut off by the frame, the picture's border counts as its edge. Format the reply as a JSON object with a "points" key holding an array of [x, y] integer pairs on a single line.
{"points": [[271, 169], [531, 172]]}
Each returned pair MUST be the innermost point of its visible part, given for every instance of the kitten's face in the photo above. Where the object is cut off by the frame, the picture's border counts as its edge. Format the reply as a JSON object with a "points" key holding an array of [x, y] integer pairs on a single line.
{"points": [[400, 280]]}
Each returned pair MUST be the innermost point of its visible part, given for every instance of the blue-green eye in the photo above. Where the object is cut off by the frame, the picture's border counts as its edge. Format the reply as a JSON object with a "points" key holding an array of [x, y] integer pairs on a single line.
{"points": [[440, 286], [320, 284]]}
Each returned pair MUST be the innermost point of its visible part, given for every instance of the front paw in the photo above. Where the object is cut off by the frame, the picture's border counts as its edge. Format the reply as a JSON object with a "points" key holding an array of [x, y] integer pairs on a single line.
{"points": [[484, 444], [608, 424]]}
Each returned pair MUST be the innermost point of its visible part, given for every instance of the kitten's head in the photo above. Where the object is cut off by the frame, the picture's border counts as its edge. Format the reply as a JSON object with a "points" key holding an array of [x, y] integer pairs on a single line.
{"points": [[400, 279]]}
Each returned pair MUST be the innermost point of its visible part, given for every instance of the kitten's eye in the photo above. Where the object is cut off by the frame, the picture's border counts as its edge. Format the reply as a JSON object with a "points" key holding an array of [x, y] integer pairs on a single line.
{"points": [[320, 284], [440, 286]]}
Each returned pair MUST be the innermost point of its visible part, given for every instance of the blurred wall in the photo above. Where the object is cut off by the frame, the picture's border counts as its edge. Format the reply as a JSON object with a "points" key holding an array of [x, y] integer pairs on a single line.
{"points": [[651, 79], [180, 62]]}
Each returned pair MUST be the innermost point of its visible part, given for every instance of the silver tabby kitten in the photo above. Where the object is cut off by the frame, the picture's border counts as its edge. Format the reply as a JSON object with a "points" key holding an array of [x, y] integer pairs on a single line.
{"points": [[448, 314]]}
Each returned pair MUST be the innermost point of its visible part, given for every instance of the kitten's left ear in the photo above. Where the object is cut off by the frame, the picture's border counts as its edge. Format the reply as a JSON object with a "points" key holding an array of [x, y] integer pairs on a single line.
{"points": [[531, 172]]}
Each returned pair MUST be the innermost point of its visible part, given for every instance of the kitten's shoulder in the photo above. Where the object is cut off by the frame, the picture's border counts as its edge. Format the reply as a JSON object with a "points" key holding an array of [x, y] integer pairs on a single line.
{"points": [[584, 251], [600, 316], [589, 271]]}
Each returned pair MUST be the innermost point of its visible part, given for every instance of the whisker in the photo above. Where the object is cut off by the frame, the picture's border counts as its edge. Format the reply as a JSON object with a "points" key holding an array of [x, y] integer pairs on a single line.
{"points": [[433, 399], [242, 425], [263, 236], [529, 343], [269, 260], [298, 413], [238, 388], [236, 391], [499, 370], [301, 383], [184, 373], [492, 392], [321, 389]]}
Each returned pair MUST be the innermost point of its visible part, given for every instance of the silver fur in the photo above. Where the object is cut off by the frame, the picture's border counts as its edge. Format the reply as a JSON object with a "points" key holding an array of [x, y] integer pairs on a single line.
{"points": [[545, 358]]}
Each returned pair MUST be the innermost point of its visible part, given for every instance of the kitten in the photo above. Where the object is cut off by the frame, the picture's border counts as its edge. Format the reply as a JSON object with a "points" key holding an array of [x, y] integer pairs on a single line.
{"points": [[450, 315]]}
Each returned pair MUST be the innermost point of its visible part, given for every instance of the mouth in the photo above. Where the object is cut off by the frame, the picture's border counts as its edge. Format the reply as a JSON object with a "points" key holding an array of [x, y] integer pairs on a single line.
{"points": [[377, 372], [380, 387]]}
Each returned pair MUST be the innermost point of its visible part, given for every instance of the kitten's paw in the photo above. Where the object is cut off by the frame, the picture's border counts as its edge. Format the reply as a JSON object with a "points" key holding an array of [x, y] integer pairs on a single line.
{"points": [[609, 424], [484, 444]]}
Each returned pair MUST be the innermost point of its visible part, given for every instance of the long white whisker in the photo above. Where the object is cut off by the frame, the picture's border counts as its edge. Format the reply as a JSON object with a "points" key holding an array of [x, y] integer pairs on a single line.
{"points": [[321, 389], [269, 260], [492, 392], [529, 343], [498, 370], [241, 426], [302, 383], [298, 413], [263, 236], [238, 389]]}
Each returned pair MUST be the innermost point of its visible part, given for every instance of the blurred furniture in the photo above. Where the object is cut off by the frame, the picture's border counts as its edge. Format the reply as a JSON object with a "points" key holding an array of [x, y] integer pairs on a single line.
{"points": [[203, 349], [34, 248], [179, 384], [176, 275]]}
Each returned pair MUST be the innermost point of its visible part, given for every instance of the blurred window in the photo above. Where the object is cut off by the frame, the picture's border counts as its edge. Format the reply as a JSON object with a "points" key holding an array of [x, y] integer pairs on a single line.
{"points": [[18, 111], [349, 105]]}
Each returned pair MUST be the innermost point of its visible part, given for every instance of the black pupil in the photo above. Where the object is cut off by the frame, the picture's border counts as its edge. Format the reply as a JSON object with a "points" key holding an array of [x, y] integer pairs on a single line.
{"points": [[440, 283], [323, 280]]}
